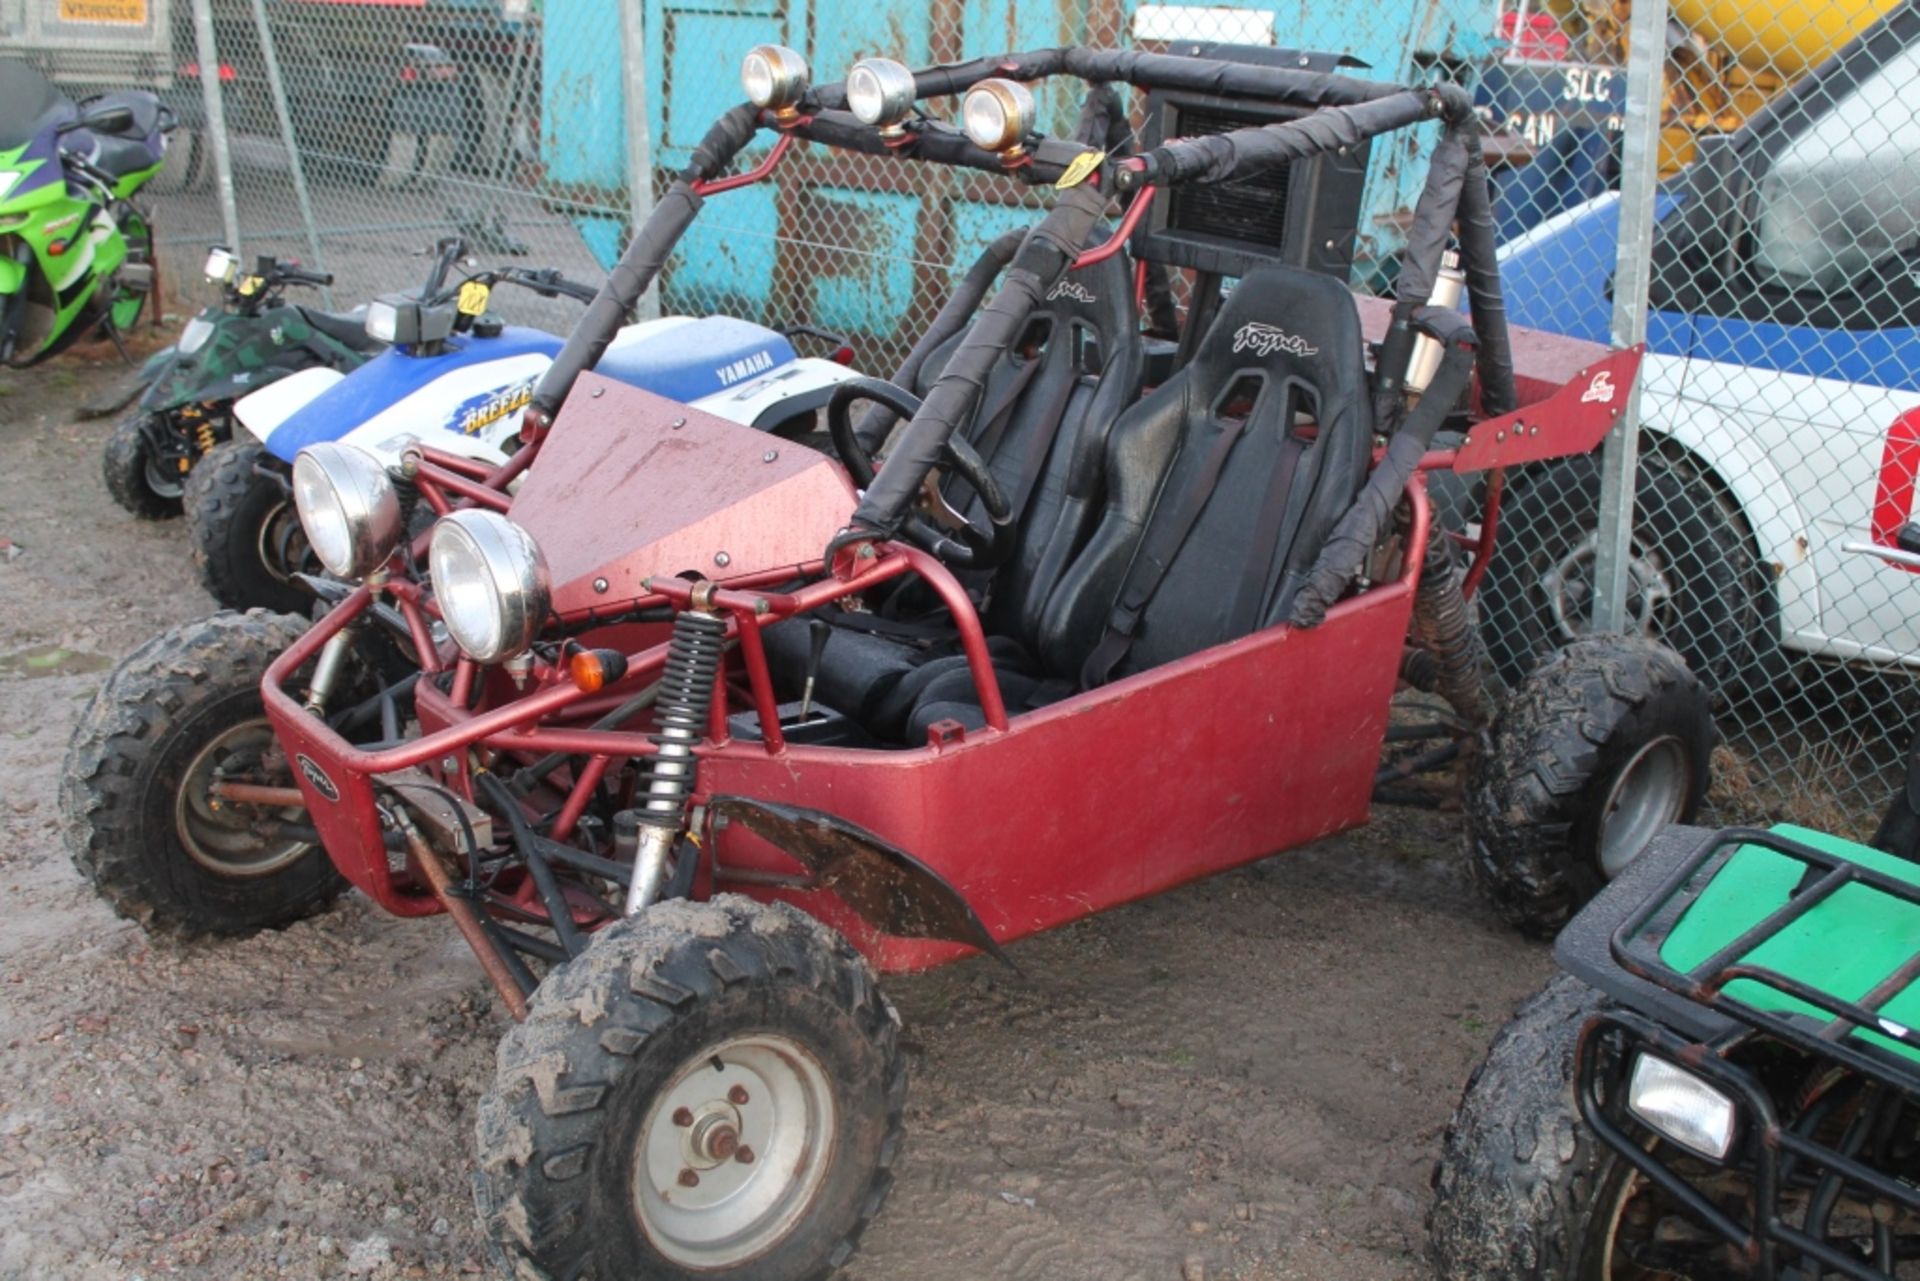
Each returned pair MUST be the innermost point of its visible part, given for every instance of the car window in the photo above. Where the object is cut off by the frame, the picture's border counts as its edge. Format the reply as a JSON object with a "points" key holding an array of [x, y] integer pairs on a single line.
{"points": [[1845, 195]]}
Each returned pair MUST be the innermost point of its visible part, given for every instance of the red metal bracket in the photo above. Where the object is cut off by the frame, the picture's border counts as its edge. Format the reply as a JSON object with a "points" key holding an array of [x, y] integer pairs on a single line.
{"points": [[714, 186]]}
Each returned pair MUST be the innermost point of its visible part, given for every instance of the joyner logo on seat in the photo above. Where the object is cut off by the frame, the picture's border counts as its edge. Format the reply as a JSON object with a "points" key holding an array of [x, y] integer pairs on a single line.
{"points": [[1267, 339]]}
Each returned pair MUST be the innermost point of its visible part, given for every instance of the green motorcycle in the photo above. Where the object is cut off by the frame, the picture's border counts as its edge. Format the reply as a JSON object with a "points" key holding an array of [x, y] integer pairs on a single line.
{"points": [[252, 337], [76, 254]]}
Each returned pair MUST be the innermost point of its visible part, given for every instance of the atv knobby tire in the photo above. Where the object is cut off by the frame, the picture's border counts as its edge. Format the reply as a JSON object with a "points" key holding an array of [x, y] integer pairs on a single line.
{"points": [[1538, 794], [1520, 1174], [120, 792], [622, 1029], [232, 516], [126, 464]]}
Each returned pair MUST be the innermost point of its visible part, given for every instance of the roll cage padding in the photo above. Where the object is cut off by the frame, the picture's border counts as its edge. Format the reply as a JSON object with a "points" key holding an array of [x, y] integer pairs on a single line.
{"points": [[1354, 538], [871, 431], [645, 254]]}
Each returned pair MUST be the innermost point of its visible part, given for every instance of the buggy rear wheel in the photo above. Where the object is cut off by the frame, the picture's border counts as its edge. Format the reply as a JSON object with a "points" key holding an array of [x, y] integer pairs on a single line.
{"points": [[142, 823], [247, 540], [136, 477], [1604, 744], [709, 1090]]}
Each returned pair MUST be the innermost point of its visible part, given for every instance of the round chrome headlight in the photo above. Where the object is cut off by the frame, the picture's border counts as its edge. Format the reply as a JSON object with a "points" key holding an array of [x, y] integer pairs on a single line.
{"points": [[880, 92], [774, 77], [490, 582], [348, 508], [997, 114]]}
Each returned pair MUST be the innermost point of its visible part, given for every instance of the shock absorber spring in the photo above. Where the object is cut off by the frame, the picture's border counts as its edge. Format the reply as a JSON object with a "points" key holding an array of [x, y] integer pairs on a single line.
{"points": [[686, 696], [203, 433]]}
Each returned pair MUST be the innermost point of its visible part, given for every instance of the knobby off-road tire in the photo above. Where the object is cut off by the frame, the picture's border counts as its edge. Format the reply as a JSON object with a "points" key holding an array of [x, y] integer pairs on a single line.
{"points": [[236, 520], [627, 1034], [1570, 785], [1692, 570], [126, 464], [168, 712], [1521, 1176]]}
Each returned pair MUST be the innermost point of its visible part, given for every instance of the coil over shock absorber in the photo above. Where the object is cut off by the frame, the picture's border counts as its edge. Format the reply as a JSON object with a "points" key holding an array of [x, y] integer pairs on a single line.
{"points": [[686, 696]]}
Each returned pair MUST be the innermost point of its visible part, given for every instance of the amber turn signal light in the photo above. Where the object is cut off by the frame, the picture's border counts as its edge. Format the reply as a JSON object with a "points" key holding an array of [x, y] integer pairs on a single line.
{"points": [[595, 669]]}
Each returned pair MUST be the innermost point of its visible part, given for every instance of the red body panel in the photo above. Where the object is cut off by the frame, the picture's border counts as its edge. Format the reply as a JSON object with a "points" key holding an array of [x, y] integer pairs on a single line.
{"points": [[1893, 496], [1225, 757], [739, 500]]}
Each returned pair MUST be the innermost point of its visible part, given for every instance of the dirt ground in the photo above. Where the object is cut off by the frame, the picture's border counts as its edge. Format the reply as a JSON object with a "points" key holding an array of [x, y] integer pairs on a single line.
{"points": [[1243, 1079]]}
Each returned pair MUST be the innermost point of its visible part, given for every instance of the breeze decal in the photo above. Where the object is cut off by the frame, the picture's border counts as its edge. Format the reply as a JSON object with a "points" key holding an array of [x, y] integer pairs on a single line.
{"points": [[474, 414]]}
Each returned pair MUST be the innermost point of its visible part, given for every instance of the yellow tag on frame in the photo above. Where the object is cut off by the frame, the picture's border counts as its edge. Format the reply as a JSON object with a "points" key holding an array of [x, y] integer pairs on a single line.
{"points": [[1083, 164], [473, 298]]}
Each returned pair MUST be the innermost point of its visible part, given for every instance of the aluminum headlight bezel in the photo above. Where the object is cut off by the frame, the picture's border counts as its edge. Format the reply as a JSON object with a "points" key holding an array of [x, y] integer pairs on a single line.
{"points": [[880, 92], [490, 583], [1682, 1108], [998, 115], [348, 507], [774, 77]]}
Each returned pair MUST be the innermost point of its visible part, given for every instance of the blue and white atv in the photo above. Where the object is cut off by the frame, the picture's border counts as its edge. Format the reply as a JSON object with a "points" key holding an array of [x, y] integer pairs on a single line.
{"points": [[458, 379]]}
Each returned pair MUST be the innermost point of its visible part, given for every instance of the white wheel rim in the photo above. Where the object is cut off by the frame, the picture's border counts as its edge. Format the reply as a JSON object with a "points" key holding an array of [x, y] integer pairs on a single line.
{"points": [[733, 1151], [218, 835], [1646, 796]]}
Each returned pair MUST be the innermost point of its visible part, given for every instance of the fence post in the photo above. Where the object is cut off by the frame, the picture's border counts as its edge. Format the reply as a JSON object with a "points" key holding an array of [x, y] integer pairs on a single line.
{"points": [[216, 112], [298, 165], [1632, 277], [633, 94]]}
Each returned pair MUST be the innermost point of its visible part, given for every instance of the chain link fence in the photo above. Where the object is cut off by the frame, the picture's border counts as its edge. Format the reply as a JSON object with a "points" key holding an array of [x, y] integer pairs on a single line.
{"points": [[1779, 314], [1779, 321]]}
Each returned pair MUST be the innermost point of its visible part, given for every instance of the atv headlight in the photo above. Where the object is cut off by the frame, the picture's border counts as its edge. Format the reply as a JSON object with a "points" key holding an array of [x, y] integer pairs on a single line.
{"points": [[221, 264], [774, 76], [194, 335], [1682, 1107], [402, 320], [348, 508], [997, 114], [490, 582], [880, 92]]}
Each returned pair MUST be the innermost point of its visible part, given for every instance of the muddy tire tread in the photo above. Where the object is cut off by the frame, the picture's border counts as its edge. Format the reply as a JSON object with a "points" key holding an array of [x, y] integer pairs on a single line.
{"points": [[1525, 791], [216, 492], [151, 687], [1519, 1171], [123, 466], [536, 1130]]}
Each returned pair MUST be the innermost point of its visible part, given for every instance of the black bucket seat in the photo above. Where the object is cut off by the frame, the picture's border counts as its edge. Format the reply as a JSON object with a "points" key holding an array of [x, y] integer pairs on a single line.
{"points": [[1220, 488], [1041, 428]]}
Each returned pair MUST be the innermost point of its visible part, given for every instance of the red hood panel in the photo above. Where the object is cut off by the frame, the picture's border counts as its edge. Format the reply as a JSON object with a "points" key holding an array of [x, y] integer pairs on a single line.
{"points": [[620, 493]]}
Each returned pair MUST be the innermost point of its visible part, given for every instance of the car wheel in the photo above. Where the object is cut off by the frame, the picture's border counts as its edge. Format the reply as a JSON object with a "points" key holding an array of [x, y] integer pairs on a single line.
{"points": [[1691, 575]]}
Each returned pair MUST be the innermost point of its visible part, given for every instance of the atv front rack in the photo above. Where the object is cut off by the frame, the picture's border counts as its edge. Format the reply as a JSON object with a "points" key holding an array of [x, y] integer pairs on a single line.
{"points": [[1855, 1031], [1779, 1157]]}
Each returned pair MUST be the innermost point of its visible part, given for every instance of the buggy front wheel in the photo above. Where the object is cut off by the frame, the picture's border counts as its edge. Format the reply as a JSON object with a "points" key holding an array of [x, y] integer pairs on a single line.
{"points": [[710, 1090], [144, 823]]}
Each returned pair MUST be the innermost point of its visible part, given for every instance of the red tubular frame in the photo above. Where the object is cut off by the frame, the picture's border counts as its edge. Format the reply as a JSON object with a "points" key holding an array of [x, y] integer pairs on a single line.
{"points": [[1113, 244]]}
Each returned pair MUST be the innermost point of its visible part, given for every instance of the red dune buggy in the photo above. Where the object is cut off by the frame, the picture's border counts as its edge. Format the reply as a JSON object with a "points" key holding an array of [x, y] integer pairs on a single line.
{"points": [[693, 731]]}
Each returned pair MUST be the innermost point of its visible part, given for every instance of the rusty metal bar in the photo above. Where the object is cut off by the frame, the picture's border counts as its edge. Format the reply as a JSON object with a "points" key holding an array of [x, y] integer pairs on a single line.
{"points": [[465, 917]]}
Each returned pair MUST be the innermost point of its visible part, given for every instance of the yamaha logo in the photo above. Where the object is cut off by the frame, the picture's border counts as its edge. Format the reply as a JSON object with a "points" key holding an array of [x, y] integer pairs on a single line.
{"points": [[1264, 340], [317, 776], [1072, 289], [745, 367]]}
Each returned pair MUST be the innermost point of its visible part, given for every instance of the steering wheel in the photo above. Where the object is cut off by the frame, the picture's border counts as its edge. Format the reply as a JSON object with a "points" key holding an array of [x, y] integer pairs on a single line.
{"points": [[935, 525]]}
